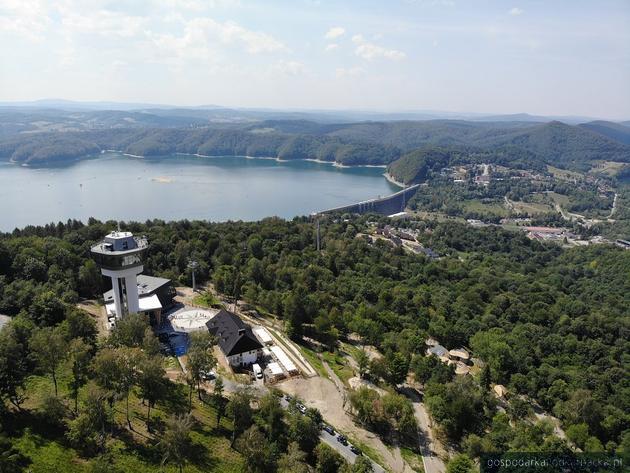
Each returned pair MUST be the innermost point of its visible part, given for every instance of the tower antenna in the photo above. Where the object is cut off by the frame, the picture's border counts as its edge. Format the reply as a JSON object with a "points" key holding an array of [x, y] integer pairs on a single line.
{"points": [[193, 265]]}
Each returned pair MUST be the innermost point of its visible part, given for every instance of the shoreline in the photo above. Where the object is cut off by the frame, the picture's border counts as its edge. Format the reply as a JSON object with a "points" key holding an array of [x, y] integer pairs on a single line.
{"points": [[198, 155], [389, 177], [270, 158]]}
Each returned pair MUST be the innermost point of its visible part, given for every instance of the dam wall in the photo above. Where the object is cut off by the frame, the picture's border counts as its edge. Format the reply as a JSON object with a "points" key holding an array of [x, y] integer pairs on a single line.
{"points": [[388, 205]]}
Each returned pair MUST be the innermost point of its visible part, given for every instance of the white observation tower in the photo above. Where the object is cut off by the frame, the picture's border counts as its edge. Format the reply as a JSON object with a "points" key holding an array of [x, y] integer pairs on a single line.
{"points": [[119, 256]]}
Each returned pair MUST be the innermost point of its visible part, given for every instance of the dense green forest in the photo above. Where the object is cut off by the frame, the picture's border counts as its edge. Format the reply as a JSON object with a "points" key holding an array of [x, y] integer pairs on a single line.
{"points": [[556, 143], [550, 324]]}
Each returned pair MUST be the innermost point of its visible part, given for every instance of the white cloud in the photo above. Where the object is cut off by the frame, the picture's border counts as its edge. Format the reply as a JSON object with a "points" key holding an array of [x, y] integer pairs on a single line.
{"points": [[331, 46], [26, 18], [198, 5], [371, 51], [253, 41], [103, 22], [357, 38], [202, 33], [349, 71], [291, 68], [335, 32], [516, 11]]}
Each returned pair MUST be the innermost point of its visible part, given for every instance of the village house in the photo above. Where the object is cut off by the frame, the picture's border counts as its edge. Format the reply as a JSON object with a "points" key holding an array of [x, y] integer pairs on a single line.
{"points": [[235, 338]]}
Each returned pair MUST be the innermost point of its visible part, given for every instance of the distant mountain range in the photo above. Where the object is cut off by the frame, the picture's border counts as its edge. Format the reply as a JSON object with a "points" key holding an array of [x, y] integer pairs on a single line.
{"points": [[42, 136], [38, 135], [231, 114]]}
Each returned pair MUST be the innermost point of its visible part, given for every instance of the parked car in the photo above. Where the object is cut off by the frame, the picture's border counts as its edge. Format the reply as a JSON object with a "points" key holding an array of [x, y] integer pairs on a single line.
{"points": [[208, 375], [329, 429], [355, 450], [301, 408], [342, 439]]}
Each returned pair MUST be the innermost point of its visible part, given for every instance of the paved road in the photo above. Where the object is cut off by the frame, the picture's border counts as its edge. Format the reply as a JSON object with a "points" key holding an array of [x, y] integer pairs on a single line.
{"points": [[343, 450]]}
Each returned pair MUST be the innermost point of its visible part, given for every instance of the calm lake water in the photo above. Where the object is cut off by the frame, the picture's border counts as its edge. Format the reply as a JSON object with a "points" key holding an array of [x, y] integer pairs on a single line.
{"points": [[114, 186]]}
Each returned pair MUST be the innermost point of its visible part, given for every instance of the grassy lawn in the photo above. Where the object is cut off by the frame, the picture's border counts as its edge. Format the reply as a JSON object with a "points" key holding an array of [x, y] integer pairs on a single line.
{"points": [[350, 350], [314, 361], [560, 199], [339, 365], [563, 173], [170, 362], [532, 207], [413, 458], [48, 451], [494, 208], [607, 168], [207, 299]]}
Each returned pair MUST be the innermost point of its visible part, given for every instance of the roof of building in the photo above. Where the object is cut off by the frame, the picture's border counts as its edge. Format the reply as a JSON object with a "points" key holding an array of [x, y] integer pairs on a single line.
{"points": [[150, 302], [147, 285], [437, 350], [283, 359], [120, 243], [234, 336], [263, 335], [275, 369], [460, 353]]}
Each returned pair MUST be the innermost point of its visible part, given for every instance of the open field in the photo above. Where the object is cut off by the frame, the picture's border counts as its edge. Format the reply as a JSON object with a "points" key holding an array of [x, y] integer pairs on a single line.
{"points": [[339, 365], [607, 168], [531, 207], [559, 199], [495, 208], [563, 173]]}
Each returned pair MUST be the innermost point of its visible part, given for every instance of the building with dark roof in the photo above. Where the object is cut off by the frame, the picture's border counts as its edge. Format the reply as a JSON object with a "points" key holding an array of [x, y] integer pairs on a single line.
{"points": [[235, 338]]}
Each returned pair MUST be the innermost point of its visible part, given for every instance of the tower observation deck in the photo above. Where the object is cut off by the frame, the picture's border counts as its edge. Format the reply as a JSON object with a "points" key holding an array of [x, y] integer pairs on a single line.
{"points": [[119, 255]]}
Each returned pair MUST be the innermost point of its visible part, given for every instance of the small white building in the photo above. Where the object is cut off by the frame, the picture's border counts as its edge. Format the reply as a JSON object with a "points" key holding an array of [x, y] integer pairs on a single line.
{"points": [[274, 372], [284, 360], [263, 335]]}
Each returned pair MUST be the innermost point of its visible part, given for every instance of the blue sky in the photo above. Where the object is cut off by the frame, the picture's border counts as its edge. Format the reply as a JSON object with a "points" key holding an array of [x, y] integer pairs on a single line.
{"points": [[543, 57]]}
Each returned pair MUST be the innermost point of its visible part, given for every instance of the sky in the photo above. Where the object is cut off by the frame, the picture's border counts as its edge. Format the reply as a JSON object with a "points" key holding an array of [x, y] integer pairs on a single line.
{"points": [[548, 57]]}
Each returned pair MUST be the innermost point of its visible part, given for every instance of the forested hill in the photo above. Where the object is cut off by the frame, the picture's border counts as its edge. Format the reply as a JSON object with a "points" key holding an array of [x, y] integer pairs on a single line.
{"points": [[615, 131], [550, 324], [555, 143]]}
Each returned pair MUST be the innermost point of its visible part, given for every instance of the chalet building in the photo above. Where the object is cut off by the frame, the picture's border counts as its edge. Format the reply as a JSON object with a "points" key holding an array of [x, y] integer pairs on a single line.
{"points": [[235, 338], [155, 295]]}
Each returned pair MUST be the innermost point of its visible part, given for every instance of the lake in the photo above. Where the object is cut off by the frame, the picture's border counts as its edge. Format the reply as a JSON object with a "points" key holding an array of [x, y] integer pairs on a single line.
{"points": [[119, 187]]}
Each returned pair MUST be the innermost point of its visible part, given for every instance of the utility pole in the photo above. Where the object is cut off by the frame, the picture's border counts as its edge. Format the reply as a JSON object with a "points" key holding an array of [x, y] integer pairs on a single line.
{"points": [[193, 265]]}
